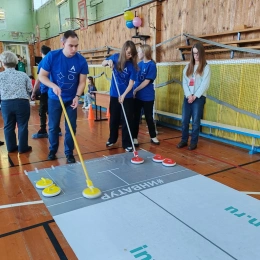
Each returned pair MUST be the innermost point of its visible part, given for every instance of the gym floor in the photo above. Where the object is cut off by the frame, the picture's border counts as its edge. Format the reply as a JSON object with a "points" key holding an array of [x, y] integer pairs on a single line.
{"points": [[28, 230]]}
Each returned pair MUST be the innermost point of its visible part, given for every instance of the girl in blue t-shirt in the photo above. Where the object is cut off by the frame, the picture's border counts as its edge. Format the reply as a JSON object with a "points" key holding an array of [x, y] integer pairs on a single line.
{"points": [[124, 65], [144, 93]]}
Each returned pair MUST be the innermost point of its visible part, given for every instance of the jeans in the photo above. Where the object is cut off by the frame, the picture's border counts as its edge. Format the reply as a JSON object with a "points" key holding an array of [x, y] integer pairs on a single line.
{"points": [[88, 99], [115, 118], [16, 111], [54, 112], [148, 112], [194, 111]]}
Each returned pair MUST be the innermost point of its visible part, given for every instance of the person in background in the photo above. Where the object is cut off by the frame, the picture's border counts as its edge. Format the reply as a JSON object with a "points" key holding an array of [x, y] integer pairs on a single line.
{"points": [[32, 79], [15, 87], [33, 82], [90, 95], [196, 80], [144, 93], [64, 71], [43, 110], [124, 65], [21, 64]]}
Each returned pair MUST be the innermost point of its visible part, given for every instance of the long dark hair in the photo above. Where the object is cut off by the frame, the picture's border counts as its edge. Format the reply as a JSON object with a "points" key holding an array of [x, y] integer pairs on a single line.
{"points": [[92, 83], [122, 57], [202, 60]]}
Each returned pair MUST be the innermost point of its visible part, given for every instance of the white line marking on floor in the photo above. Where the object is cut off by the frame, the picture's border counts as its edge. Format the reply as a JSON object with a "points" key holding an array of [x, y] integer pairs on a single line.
{"points": [[120, 178], [21, 204], [119, 187], [251, 192], [108, 170]]}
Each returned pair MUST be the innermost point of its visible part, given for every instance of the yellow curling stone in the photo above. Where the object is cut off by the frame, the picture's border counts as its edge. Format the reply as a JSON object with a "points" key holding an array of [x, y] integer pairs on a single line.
{"points": [[91, 193], [51, 191], [43, 183]]}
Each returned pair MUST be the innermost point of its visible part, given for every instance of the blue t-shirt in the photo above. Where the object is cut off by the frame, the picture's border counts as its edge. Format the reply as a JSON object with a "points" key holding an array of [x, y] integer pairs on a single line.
{"points": [[43, 88], [91, 88], [122, 78], [147, 71], [64, 72]]}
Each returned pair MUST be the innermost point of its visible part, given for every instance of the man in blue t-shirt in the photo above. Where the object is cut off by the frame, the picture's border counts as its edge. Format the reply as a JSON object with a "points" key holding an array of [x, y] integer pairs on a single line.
{"points": [[64, 72], [43, 110]]}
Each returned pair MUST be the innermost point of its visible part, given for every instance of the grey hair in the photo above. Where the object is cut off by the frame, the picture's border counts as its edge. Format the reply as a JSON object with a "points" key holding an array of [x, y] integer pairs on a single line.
{"points": [[9, 59]]}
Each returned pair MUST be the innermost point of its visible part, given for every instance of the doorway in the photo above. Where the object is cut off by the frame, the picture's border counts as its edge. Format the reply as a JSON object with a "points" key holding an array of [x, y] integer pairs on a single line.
{"points": [[23, 51]]}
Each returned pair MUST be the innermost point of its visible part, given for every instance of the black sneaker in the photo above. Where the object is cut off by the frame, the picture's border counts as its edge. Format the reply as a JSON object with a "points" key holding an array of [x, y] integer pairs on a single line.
{"points": [[29, 149], [70, 158], [182, 144], [51, 156], [192, 147], [42, 131], [109, 144]]}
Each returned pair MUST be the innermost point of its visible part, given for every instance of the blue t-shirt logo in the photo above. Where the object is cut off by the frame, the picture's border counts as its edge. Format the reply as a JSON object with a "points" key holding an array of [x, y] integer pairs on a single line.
{"points": [[64, 72]]}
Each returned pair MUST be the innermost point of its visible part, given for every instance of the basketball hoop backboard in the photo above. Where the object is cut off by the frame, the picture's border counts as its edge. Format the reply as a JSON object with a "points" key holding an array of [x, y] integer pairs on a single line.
{"points": [[83, 14]]}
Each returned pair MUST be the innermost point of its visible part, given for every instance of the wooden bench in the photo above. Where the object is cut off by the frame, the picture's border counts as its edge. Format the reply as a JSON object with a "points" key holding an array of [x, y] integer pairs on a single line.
{"points": [[237, 32], [96, 59], [228, 128], [96, 56], [224, 50], [236, 43], [233, 43]]}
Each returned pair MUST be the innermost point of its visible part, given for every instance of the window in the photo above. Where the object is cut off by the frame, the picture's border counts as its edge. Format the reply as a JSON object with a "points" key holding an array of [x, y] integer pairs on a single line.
{"points": [[59, 2], [38, 3], [2, 19]]}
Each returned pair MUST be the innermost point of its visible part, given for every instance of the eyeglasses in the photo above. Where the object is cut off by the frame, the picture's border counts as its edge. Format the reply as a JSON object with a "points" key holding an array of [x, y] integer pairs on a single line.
{"points": [[129, 53], [195, 53]]}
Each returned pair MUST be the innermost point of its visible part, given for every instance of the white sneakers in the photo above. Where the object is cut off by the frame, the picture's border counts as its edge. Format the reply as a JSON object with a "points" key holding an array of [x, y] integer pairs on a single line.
{"points": [[86, 107], [136, 144], [155, 140]]}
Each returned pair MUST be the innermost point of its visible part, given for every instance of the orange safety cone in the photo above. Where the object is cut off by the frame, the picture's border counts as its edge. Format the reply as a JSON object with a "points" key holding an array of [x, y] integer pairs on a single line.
{"points": [[91, 125], [108, 113], [90, 113]]}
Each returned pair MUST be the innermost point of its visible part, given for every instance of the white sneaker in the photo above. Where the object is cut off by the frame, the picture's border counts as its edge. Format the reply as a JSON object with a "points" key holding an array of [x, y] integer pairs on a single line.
{"points": [[129, 149], [136, 144], [155, 140]]}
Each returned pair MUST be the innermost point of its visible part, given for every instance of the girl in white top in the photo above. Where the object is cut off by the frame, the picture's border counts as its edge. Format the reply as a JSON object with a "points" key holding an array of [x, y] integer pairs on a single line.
{"points": [[196, 80]]}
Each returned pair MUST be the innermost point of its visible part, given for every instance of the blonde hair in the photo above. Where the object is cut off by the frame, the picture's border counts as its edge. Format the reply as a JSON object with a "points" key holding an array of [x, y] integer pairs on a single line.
{"points": [[9, 59], [147, 51]]}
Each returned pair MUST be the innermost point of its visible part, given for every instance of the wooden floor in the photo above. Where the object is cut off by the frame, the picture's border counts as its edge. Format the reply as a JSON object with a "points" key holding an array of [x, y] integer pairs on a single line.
{"points": [[29, 232]]}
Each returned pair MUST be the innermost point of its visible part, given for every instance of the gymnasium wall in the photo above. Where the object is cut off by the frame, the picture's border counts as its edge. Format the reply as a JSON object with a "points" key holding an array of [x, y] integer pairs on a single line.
{"points": [[18, 18], [160, 20], [234, 84]]}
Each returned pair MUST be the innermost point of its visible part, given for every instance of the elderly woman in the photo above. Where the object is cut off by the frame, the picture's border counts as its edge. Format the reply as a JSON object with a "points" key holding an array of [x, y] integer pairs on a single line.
{"points": [[14, 88]]}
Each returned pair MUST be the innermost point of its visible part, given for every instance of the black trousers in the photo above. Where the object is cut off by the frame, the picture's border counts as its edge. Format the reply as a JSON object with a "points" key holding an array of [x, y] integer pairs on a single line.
{"points": [[43, 110], [148, 112], [115, 119]]}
